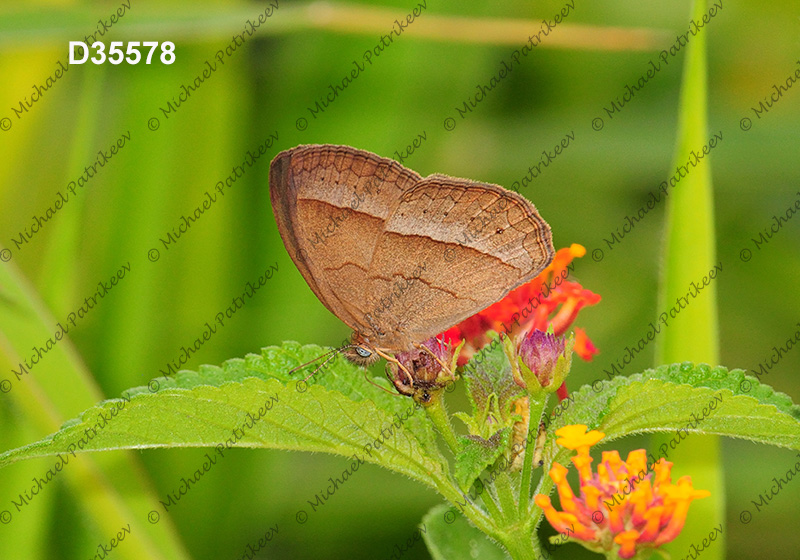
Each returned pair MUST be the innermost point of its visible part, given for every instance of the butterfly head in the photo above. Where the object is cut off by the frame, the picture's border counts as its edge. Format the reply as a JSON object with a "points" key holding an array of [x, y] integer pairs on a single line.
{"points": [[360, 351]]}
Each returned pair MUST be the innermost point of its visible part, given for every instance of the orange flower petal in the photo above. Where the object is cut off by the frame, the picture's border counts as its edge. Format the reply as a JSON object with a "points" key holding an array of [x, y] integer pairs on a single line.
{"points": [[641, 498], [679, 496], [558, 474], [627, 543], [662, 468], [637, 462], [583, 462], [592, 497], [615, 518], [652, 519], [559, 521], [612, 466], [623, 503], [584, 346]]}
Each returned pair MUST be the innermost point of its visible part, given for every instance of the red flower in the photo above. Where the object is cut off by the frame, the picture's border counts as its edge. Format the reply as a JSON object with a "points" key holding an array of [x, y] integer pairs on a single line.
{"points": [[547, 299]]}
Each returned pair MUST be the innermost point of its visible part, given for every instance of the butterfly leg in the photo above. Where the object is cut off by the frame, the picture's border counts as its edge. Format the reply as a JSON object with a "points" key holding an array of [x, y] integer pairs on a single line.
{"points": [[395, 361], [445, 367]]}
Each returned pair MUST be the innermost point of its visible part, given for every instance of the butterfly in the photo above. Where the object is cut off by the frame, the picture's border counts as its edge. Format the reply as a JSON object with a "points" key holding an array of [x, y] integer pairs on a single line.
{"points": [[399, 257]]}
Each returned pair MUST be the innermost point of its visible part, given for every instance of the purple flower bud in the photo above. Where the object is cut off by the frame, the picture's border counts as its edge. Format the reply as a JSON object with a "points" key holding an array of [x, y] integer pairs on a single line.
{"points": [[540, 352]]}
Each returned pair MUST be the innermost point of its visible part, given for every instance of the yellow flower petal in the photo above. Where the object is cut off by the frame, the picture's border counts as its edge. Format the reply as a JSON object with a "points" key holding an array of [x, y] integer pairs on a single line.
{"points": [[637, 461], [576, 437], [677, 498]]}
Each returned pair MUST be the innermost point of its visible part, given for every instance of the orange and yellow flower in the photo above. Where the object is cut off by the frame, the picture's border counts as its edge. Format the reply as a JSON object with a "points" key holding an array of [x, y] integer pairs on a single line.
{"points": [[625, 507]]}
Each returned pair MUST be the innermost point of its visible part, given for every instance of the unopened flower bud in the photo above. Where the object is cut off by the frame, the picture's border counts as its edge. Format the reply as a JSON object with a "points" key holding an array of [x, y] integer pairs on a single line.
{"points": [[544, 361]]}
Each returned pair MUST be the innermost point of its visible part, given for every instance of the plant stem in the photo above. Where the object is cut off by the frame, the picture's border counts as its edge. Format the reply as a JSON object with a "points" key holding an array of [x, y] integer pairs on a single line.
{"points": [[505, 494], [520, 545], [491, 506], [437, 412], [536, 409], [478, 517]]}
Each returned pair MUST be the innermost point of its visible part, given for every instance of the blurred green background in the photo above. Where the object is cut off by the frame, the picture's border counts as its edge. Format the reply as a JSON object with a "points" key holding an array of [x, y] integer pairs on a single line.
{"points": [[410, 89]]}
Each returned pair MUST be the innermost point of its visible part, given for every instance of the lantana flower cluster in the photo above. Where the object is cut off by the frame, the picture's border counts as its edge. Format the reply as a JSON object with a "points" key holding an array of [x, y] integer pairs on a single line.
{"points": [[625, 507]]}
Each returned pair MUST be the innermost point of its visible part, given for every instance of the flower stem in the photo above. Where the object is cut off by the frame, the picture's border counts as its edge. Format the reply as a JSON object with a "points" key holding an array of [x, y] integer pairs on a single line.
{"points": [[505, 494], [437, 412], [536, 404], [520, 546], [491, 506]]}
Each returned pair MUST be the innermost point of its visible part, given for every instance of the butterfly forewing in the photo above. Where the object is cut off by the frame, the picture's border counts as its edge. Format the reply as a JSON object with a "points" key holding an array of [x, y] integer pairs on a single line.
{"points": [[330, 203]]}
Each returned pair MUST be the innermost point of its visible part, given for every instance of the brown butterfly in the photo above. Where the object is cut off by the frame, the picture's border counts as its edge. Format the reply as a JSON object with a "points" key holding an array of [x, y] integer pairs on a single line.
{"points": [[398, 257]]}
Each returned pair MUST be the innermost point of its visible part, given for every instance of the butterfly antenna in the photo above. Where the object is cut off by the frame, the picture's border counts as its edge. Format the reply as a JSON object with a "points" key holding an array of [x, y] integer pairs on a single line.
{"points": [[331, 354], [291, 371]]}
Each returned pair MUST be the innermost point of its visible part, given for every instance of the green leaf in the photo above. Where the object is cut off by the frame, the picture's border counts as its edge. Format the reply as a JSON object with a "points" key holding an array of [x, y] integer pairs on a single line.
{"points": [[477, 454], [449, 535], [348, 379], [687, 397], [248, 403]]}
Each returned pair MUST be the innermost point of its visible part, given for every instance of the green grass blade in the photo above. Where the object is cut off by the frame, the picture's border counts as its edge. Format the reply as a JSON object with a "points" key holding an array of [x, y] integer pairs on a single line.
{"points": [[60, 256], [689, 256], [53, 391]]}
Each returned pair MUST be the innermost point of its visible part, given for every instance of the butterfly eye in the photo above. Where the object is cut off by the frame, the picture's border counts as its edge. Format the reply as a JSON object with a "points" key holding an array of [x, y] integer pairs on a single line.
{"points": [[363, 352]]}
